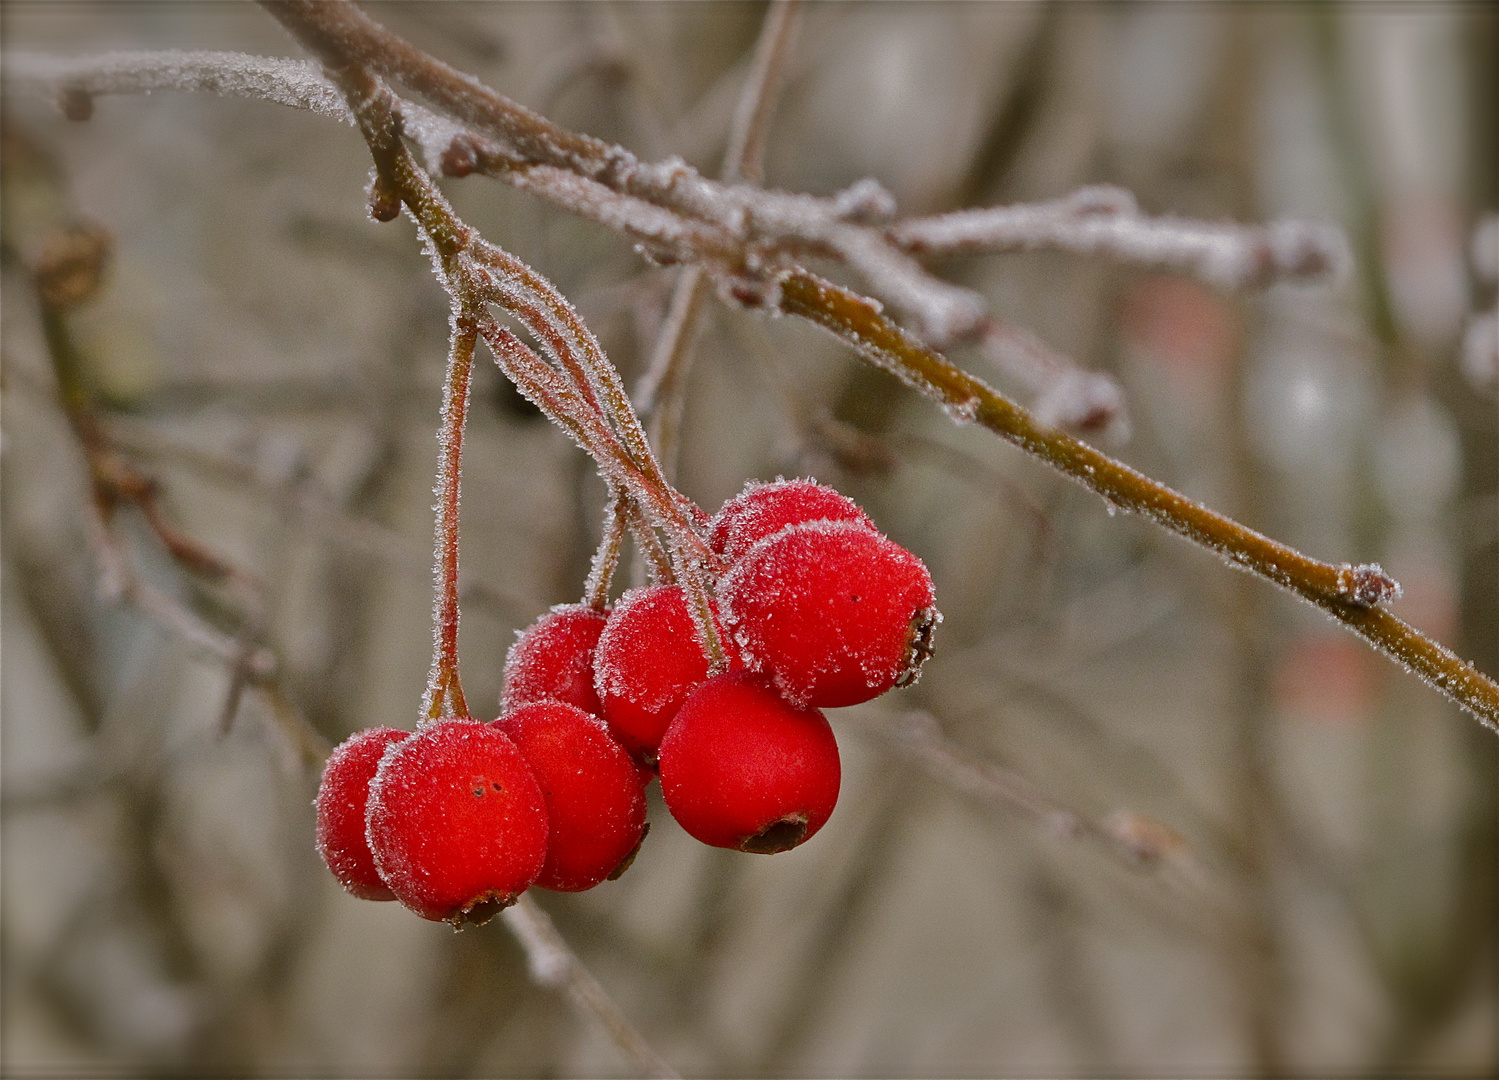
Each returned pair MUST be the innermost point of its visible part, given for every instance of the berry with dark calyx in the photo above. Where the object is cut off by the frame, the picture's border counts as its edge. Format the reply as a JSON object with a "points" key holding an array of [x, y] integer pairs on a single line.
{"points": [[833, 612], [761, 510], [595, 796], [341, 798], [648, 660], [742, 768], [553, 659], [457, 822]]}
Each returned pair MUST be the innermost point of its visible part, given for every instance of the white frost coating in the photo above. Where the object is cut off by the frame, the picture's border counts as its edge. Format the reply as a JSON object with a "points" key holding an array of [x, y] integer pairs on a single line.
{"points": [[433, 134], [635, 217], [864, 201], [945, 312], [962, 412], [1105, 221], [546, 962], [295, 83], [1065, 395]]}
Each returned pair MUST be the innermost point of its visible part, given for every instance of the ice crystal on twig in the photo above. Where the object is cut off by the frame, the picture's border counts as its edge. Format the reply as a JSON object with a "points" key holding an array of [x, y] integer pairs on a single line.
{"points": [[295, 83], [1367, 585], [1106, 221]]}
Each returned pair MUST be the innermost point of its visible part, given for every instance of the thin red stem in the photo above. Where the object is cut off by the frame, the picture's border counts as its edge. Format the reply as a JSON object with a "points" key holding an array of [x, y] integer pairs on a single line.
{"points": [[444, 695]]}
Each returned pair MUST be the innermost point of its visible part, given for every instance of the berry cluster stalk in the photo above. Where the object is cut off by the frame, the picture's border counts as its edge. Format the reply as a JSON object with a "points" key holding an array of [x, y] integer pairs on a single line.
{"points": [[579, 389], [444, 696], [750, 239]]}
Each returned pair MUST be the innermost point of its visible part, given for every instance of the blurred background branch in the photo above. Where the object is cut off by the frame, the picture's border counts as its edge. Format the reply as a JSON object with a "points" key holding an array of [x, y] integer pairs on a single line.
{"points": [[271, 360]]}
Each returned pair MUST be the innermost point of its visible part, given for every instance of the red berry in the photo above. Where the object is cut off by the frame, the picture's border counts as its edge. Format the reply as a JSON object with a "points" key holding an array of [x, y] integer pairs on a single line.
{"points": [[341, 798], [648, 660], [761, 510], [833, 612], [595, 797], [457, 822], [741, 768], [553, 658]]}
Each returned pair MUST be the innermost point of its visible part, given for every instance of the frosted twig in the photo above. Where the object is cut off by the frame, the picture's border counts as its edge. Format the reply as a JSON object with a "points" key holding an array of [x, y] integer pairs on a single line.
{"points": [[1098, 222], [444, 693], [771, 227], [744, 157], [1105, 221], [663, 390], [1130, 838], [583, 388], [1332, 587], [606, 557], [553, 964], [295, 83], [944, 313], [1064, 393]]}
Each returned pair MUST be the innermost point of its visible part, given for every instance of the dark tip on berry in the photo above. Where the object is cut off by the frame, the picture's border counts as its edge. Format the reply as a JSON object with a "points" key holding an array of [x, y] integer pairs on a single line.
{"points": [[628, 860], [77, 103], [479, 911], [780, 835], [920, 650]]}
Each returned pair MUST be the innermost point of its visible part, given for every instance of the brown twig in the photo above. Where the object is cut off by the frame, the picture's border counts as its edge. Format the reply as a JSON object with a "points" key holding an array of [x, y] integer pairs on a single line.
{"points": [[762, 230], [1350, 594], [444, 694], [663, 390], [553, 964]]}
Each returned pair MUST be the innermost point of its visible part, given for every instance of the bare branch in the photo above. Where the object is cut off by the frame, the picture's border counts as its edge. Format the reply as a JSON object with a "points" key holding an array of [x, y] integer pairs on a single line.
{"points": [[1129, 838], [766, 228], [295, 83], [1106, 221], [744, 159], [1349, 594], [553, 964], [663, 390], [1065, 394]]}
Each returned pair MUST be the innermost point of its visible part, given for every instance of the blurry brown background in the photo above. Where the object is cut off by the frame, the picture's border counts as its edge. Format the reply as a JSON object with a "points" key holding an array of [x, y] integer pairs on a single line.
{"points": [[1317, 887]]}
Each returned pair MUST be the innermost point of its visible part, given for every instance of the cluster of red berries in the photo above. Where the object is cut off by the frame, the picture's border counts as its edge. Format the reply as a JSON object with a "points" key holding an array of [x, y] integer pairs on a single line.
{"points": [[816, 610]]}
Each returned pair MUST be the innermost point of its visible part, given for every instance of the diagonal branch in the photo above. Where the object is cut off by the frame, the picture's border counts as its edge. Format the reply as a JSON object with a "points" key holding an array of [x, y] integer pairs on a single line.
{"points": [[1350, 594], [552, 963], [663, 390], [759, 232]]}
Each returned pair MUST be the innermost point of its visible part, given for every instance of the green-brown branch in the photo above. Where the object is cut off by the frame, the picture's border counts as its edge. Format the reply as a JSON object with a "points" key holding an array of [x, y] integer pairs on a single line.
{"points": [[1350, 594]]}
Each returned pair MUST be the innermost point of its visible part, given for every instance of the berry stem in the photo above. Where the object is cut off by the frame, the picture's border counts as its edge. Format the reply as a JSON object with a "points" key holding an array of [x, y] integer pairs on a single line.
{"points": [[581, 390], [444, 696], [606, 557], [657, 558]]}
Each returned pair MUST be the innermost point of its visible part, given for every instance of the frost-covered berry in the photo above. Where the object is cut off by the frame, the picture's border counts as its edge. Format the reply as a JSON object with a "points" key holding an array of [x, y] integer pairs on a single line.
{"points": [[595, 795], [761, 510], [833, 612], [553, 659], [457, 822], [741, 768], [341, 798], [647, 661]]}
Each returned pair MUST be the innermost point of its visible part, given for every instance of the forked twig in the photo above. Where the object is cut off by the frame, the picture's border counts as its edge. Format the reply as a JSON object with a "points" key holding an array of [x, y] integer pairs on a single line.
{"points": [[750, 237], [663, 390]]}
